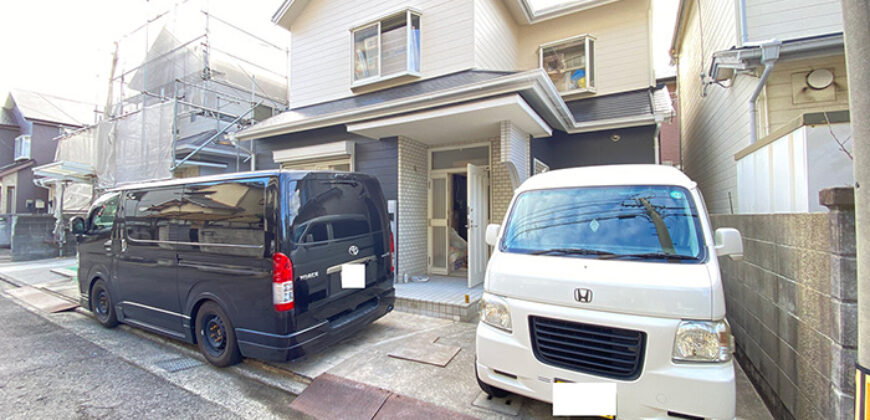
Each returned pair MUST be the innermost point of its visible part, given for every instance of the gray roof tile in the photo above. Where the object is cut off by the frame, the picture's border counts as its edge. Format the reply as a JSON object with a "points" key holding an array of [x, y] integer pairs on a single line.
{"points": [[618, 105]]}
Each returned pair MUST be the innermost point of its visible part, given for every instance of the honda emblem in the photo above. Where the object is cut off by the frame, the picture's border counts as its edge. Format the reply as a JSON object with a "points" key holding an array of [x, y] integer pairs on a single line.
{"points": [[583, 295]]}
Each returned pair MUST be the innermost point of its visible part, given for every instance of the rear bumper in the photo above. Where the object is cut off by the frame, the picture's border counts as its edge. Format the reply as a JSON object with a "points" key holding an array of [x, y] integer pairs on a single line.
{"points": [[281, 348]]}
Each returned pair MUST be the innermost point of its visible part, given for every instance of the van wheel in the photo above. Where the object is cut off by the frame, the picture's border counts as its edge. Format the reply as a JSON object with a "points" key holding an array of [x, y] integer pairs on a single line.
{"points": [[216, 337], [101, 304], [489, 389]]}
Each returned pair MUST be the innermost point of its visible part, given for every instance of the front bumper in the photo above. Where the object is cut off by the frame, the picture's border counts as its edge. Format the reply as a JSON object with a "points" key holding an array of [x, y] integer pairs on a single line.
{"points": [[281, 348], [696, 389]]}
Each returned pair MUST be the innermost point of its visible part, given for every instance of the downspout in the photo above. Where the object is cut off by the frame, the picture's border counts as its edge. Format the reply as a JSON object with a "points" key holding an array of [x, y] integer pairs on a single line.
{"points": [[744, 34], [769, 55], [657, 143]]}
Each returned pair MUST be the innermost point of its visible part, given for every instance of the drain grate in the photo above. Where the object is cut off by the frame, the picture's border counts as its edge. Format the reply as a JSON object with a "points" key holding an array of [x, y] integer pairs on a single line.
{"points": [[181, 363]]}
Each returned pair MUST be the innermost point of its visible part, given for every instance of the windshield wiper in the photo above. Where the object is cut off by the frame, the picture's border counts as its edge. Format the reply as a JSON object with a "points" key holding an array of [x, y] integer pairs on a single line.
{"points": [[652, 255], [572, 251]]}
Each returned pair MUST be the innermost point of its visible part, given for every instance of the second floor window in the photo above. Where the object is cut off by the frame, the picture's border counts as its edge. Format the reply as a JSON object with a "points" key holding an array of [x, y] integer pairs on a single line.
{"points": [[22, 147], [387, 48], [570, 63]]}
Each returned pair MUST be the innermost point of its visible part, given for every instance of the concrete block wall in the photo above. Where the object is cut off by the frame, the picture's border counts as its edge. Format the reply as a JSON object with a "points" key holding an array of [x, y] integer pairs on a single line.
{"points": [[32, 238], [412, 215], [792, 307], [5, 230]]}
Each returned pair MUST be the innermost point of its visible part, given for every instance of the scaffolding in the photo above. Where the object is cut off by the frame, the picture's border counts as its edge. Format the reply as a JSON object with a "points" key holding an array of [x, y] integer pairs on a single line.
{"points": [[180, 86]]}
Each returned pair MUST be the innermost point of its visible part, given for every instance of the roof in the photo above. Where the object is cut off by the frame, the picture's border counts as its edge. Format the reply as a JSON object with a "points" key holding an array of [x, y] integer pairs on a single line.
{"points": [[42, 107], [213, 148], [534, 86], [294, 174], [382, 96], [16, 166], [618, 105], [608, 175]]}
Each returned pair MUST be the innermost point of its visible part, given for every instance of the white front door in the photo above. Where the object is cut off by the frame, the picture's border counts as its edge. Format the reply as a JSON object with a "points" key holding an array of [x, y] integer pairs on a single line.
{"points": [[439, 244], [478, 211]]}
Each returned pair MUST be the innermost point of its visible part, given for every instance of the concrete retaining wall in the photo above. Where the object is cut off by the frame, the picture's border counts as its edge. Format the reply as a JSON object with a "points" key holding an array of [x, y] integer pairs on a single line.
{"points": [[5, 230], [792, 307]]}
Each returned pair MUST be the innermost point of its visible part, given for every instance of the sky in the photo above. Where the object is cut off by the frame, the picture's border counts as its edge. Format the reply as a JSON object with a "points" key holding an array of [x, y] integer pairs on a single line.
{"points": [[64, 48]]}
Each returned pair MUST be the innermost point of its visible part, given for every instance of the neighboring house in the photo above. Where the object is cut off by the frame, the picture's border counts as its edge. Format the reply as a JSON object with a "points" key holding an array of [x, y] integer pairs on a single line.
{"points": [[669, 135], [764, 102], [29, 124], [453, 103]]}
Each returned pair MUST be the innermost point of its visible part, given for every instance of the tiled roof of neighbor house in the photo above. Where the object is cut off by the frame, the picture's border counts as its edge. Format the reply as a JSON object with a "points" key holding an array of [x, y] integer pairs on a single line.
{"points": [[618, 105], [42, 107], [6, 117], [404, 91], [16, 166]]}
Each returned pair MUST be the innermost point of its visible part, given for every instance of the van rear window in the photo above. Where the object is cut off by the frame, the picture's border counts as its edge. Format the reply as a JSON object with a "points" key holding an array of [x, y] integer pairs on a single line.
{"points": [[614, 222], [336, 209]]}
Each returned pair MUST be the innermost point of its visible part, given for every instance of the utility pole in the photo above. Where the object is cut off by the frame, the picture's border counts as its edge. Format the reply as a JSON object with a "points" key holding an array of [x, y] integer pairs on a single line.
{"points": [[856, 15]]}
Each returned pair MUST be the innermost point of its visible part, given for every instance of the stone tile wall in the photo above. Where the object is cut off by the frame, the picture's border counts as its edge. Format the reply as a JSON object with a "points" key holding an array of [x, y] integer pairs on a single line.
{"points": [[792, 307], [413, 216]]}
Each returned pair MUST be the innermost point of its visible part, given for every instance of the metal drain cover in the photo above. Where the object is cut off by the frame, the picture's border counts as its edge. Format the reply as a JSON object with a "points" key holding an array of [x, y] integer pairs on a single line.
{"points": [[181, 363]]}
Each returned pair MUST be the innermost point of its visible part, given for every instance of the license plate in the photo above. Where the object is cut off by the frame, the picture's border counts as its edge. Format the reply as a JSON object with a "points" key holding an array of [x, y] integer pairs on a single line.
{"points": [[584, 399], [353, 276]]}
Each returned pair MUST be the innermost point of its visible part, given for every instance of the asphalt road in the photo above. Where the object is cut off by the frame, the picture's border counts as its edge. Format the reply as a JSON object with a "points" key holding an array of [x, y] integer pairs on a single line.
{"points": [[70, 367]]}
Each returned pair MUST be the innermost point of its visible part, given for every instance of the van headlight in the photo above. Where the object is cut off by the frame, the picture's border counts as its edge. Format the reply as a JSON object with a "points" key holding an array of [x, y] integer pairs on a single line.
{"points": [[703, 341], [494, 311]]}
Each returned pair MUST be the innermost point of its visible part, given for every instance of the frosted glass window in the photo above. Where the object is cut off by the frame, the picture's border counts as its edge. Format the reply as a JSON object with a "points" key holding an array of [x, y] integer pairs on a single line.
{"points": [[460, 158], [439, 198], [439, 246]]}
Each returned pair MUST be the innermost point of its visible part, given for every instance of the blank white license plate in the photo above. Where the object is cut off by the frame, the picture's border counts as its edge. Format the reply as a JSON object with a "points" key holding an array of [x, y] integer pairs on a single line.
{"points": [[584, 399], [353, 276]]}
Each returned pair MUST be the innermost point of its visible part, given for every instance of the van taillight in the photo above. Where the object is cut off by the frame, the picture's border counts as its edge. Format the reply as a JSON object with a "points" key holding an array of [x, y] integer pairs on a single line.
{"points": [[282, 282], [392, 252]]}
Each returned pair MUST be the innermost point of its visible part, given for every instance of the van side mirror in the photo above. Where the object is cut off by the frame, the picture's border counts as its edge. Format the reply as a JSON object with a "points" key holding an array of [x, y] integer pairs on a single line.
{"points": [[492, 234], [77, 225], [727, 241]]}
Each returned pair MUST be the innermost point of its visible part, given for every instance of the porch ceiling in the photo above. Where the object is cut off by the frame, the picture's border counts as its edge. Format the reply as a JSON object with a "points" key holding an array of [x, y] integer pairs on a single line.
{"points": [[469, 121]]}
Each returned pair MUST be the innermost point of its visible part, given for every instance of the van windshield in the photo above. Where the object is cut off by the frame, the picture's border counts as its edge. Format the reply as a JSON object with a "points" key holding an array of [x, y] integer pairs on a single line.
{"points": [[614, 222]]}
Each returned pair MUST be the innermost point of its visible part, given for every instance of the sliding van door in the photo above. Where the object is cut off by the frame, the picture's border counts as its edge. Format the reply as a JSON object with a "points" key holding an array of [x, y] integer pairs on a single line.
{"points": [[147, 268]]}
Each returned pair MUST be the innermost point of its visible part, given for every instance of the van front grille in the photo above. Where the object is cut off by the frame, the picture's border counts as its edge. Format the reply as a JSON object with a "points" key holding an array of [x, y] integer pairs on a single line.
{"points": [[593, 349]]}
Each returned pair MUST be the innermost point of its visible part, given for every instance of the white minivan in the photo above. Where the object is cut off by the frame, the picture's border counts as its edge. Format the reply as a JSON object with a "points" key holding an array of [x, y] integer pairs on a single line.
{"points": [[609, 275]]}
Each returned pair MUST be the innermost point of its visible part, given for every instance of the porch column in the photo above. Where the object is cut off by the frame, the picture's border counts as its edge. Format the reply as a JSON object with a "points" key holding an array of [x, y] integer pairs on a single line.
{"points": [[413, 180], [514, 144]]}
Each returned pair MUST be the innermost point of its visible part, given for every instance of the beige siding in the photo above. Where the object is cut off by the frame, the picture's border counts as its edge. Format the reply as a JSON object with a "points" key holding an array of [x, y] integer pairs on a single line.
{"points": [[714, 127], [780, 105], [495, 36], [622, 49], [790, 19], [321, 47]]}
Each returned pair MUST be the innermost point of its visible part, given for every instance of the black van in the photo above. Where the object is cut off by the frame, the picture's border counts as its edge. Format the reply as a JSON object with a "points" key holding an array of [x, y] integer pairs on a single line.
{"points": [[271, 265]]}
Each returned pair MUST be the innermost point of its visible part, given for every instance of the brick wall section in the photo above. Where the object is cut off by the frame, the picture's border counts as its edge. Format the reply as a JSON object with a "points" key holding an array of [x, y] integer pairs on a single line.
{"points": [[413, 199], [792, 307], [514, 152], [500, 185]]}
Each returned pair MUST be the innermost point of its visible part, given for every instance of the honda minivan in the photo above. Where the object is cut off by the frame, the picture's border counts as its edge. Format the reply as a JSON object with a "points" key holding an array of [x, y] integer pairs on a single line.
{"points": [[272, 265], [608, 277]]}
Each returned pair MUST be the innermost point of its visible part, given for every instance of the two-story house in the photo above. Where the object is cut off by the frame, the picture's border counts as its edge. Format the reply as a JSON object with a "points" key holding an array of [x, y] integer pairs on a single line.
{"points": [[29, 124], [764, 102], [453, 103]]}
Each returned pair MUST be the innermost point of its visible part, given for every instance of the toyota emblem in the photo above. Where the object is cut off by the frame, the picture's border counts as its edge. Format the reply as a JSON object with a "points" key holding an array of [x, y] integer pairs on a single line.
{"points": [[353, 250]]}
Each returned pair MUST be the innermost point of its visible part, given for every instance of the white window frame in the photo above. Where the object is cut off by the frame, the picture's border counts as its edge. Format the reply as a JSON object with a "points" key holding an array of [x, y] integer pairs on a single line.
{"points": [[590, 58], [408, 12], [22, 147]]}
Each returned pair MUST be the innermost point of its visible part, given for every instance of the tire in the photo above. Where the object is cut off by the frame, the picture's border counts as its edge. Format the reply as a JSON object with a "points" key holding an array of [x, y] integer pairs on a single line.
{"points": [[102, 306], [216, 337], [489, 389]]}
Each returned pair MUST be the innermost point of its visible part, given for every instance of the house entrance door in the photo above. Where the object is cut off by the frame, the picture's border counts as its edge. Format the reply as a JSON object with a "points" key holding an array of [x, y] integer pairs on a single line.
{"points": [[478, 211]]}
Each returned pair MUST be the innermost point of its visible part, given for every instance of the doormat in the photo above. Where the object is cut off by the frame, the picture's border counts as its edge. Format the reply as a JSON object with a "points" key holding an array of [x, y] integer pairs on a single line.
{"points": [[43, 301], [331, 397], [426, 350]]}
